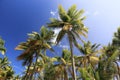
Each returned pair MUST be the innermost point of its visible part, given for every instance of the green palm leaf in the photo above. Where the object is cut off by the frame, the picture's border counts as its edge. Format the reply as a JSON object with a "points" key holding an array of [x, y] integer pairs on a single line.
{"points": [[60, 36], [63, 14]]}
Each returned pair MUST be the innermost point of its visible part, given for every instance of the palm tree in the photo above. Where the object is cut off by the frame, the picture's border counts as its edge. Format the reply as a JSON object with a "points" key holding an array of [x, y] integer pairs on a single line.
{"points": [[70, 23], [86, 63], [116, 43], [36, 44], [110, 69], [116, 40], [58, 68], [6, 71], [37, 71]]}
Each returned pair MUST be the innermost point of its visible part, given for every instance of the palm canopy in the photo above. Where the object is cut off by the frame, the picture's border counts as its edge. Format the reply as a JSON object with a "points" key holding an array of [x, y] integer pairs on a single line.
{"points": [[70, 21], [59, 70], [116, 38], [89, 48], [110, 68], [6, 71], [90, 54], [35, 43], [88, 60]]}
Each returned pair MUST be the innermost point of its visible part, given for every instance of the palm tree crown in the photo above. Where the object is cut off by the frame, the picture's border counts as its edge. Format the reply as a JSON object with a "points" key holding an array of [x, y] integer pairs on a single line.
{"points": [[71, 23]]}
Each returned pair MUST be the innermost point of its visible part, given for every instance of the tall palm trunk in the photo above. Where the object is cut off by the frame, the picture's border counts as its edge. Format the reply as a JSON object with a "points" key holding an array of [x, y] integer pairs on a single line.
{"points": [[72, 56], [26, 75], [34, 65], [65, 74]]}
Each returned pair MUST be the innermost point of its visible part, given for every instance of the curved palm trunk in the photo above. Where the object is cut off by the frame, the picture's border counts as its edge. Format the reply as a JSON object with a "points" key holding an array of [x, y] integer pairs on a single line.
{"points": [[118, 69], [65, 74], [72, 57], [26, 75], [34, 66]]}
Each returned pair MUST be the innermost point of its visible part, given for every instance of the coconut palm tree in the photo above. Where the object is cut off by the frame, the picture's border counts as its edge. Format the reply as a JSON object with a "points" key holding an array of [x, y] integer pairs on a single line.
{"points": [[116, 43], [6, 71], [86, 63], [70, 23], [60, 68], [37, 71], [36, 44], [116, 40], [89, 53], [110, 69]]}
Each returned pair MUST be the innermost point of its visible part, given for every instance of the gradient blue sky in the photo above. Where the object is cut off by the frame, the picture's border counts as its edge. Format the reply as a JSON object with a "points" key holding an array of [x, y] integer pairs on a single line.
{"points": [[19, 17]]}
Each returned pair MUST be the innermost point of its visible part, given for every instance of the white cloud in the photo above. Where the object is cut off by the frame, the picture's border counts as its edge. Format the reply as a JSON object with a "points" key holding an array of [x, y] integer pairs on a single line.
{"points": [[96, 13], [64, 46], [87, 13], [53, 13], [56, 31], [58, 17]]}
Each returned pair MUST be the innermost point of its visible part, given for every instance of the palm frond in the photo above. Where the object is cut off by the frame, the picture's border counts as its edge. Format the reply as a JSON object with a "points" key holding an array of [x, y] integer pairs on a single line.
{"points": [[71, 11], [85, 75], [63, 14], [78, 14], [113, 56], [60, 36], [2, 48]]}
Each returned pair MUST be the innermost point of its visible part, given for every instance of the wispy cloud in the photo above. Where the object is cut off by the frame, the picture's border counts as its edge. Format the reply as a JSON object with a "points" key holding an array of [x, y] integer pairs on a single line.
{"points": [[64, 46], [96, 13], [87, 13], [56, 31], [53, 12]]}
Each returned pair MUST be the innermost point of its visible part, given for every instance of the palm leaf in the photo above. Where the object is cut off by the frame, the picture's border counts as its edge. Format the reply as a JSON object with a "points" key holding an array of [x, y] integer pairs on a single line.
{"points": [[63, 15], [71, 11], [84, 74], [2, 48], [77, 35], [60, 36], [47, 46], [21, 47], [113, 57], [77, 14], [63, 61]]}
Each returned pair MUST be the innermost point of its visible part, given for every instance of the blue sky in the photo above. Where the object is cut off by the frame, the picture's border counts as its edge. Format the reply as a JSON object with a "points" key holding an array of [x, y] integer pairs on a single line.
{"points": [[19, 17]]}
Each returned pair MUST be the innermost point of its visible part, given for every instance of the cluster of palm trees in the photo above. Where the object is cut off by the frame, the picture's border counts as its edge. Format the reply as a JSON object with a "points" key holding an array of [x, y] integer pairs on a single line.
{"points": [[6, 71], [91, 63]]}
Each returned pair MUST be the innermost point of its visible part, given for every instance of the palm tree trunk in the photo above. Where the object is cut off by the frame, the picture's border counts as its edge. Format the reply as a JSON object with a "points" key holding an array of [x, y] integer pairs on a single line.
{"points": [[118, 68], [72, 57], [65, 74], [25, 77], [70, 72], [34, 66]]}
